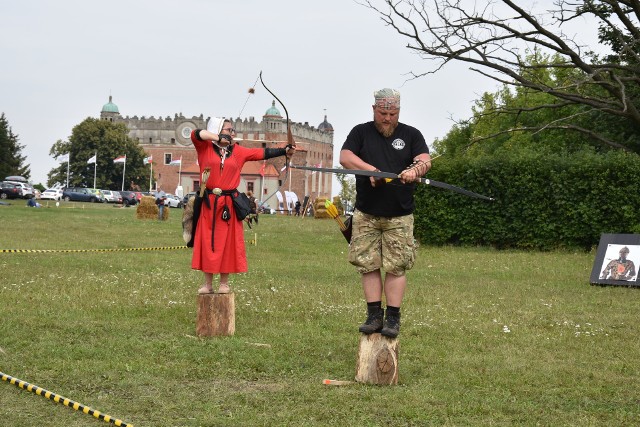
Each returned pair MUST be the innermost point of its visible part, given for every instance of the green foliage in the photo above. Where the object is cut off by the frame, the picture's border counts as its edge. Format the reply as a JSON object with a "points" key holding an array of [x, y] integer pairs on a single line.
{"points": [[347, 193], [526, 118], [12, 162], [109, 140], [544, 201], [489, 338]]}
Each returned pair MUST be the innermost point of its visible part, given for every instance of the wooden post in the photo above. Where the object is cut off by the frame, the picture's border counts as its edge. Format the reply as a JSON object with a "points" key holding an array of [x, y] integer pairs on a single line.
{"points": [[216, 315], [377, 360]]}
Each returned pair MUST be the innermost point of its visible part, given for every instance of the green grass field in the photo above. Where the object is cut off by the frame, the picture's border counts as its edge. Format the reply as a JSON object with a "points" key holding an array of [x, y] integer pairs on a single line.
{"points": [[489, 338]]}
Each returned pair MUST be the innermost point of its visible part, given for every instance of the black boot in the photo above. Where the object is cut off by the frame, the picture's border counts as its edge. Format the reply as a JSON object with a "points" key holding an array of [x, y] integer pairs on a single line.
{"points": [[375, 316], [391, 325]]}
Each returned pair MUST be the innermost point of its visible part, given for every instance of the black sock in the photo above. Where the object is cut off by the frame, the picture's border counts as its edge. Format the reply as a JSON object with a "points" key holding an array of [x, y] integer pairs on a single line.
{"points": [[393, 310], [375, 304]]}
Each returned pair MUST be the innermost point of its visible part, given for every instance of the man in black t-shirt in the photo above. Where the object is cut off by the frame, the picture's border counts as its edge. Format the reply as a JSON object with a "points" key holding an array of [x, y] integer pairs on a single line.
{"points": [[383, 218]]}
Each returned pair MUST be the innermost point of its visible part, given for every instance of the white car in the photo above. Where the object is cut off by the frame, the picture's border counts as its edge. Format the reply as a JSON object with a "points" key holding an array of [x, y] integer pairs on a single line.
{"points": [[111, 196], [173, 201], [51, 194]]}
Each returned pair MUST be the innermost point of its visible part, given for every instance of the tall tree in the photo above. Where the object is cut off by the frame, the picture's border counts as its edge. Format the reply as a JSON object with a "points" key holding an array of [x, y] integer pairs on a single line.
{"points": [[347, 189], [12, 162], [105, 140], [495, 39]]}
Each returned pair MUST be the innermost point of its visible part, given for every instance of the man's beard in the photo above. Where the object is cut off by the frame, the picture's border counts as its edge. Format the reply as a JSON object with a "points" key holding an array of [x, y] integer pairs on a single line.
{"points": [[388, 131]]}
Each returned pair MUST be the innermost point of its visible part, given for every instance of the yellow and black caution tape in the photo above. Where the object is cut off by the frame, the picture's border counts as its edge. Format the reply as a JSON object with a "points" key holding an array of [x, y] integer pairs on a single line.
{"points": [[50, 251], [61, 399]]}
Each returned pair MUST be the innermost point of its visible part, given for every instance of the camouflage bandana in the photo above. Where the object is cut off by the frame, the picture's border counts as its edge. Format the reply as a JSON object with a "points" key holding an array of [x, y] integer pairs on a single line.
{"points": [[387, 99]]}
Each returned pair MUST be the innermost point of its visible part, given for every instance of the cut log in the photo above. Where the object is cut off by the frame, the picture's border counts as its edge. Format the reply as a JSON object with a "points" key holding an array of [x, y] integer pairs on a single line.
{"points": [[377, 360], [216, 315]]}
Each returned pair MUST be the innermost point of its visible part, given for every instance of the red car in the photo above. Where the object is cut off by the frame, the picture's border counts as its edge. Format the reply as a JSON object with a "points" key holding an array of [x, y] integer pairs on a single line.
{"points": [[9, 190]]}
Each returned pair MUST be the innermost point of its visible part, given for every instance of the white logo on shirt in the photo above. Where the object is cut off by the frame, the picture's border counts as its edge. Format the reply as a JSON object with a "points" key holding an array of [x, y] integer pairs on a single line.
{"points": [[398, 144]]}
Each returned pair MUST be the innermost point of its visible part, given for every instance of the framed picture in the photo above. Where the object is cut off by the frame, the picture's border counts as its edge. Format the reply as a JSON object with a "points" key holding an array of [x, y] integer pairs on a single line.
{"points": [[617, 260]]}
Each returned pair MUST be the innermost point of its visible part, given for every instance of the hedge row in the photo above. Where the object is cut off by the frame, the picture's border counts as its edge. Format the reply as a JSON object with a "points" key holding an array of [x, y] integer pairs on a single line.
{"points": [[542, 202]]}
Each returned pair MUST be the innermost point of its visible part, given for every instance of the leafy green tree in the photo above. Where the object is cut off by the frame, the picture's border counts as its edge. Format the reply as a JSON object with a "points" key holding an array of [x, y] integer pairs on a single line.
{"points": [[106, 140], [12, 162], [568, 88], [515, 119], [347, 192]]}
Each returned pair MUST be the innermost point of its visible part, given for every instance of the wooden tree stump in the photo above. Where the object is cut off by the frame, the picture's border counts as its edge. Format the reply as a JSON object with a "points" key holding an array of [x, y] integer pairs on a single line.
{"points": [[377, 360], [216, 315]]}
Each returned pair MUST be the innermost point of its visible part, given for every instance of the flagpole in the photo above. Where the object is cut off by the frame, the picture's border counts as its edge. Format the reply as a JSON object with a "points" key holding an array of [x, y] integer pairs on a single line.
{"points": [[95, 169], [124, 168], [262, 180], [180, 171], [151, 176], [68, 161]]}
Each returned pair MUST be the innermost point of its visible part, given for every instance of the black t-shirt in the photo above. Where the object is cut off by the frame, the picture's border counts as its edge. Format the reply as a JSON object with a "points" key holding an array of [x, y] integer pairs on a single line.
{"points": [[391, 154]]}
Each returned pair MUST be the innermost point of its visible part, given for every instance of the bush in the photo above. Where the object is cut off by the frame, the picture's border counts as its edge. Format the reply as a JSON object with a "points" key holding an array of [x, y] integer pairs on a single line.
{"points": [[542, 201]]}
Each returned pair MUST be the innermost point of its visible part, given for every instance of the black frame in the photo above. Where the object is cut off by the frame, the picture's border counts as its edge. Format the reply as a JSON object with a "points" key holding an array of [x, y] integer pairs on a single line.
{"points": [[608, 249]]}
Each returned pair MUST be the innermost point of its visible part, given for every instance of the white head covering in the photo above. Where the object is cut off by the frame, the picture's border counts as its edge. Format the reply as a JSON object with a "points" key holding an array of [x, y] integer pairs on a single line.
{"points": [[215, 124], [387, 99]]}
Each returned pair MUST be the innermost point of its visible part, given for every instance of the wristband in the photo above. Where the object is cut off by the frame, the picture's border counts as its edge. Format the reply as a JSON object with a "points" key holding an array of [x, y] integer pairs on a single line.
{"points": [[270, 153]]}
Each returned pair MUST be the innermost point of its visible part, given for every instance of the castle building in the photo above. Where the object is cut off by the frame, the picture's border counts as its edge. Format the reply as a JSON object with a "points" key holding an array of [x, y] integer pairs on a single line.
{"points": [[174, 160]]}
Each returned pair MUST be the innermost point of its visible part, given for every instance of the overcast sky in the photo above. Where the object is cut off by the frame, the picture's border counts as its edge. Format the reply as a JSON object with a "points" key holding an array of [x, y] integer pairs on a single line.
{"points": [[62, 59]]}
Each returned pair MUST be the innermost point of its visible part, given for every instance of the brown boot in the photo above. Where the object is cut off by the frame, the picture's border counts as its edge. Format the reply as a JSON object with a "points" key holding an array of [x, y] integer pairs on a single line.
{"points": [[375, 316], [391, 325]]}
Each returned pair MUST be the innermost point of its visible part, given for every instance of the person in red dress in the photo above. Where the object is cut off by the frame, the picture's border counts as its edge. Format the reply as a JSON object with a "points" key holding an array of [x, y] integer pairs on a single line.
{"points": [[218, 245]]}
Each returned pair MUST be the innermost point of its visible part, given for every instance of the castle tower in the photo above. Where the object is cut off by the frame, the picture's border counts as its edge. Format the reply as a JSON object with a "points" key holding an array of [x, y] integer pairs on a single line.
{"points": [[109, 111]]}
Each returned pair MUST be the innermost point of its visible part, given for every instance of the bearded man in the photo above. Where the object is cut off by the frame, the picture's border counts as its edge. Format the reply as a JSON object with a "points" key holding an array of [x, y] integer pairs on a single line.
{"points": [[382, 236]]}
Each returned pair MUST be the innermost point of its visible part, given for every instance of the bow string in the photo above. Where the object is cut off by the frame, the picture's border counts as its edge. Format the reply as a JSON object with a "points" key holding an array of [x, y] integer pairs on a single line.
{"points": [[290, 141]]}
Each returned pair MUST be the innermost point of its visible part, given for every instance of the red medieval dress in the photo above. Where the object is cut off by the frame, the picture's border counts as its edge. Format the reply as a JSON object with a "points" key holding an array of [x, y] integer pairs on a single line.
{"points": [[228, 254]]}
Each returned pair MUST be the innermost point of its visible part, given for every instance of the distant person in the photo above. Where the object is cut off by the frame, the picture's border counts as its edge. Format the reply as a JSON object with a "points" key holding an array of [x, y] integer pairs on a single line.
{"points": [[382, 235], [297, 207], [218, 242], [31, 203], [620, 268], [253, 215], [161, 201]]}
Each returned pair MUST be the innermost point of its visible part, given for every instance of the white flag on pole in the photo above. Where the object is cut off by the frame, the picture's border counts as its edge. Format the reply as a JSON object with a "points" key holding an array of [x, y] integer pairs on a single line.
{"points": [[93, 159], [63, 158]]}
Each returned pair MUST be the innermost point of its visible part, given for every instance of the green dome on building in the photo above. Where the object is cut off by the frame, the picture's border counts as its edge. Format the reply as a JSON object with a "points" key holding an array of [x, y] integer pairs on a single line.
{"points": [[110, 107], [272, 111]]}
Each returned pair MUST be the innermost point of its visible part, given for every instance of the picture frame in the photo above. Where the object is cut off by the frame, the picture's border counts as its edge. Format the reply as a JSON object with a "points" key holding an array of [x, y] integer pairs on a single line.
{"points": [[617, 260]]}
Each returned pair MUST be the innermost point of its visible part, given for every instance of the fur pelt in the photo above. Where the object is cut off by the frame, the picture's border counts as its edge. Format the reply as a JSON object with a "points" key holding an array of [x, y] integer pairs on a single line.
{"points": [[187, 220]]}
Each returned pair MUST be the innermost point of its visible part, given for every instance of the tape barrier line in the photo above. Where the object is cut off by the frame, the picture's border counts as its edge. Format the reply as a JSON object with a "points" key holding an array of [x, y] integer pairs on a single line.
{"points": [[51, 251], [61, 399]]}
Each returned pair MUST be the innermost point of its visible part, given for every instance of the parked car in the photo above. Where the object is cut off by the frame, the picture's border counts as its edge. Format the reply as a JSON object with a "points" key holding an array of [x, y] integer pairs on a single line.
{"points": [[173, 201], [129, 198], [98, 194], [111, 196], [51, 194], [187, 196], [26, 188], [10, 190], [77, 194]]}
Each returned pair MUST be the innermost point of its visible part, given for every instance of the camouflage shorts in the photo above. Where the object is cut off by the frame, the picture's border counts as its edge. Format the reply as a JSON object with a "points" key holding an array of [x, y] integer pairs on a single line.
{"points": [[382, 243]]}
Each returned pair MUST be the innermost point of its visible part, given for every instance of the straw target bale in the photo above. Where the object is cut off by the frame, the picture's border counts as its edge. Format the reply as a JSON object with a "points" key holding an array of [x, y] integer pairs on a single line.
{"points": [[147, 209], [320, 211]]}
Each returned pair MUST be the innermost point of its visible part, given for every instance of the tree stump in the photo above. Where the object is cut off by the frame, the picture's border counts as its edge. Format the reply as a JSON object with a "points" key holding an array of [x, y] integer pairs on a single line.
{"points": [[377, 360], [216, 315]]}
